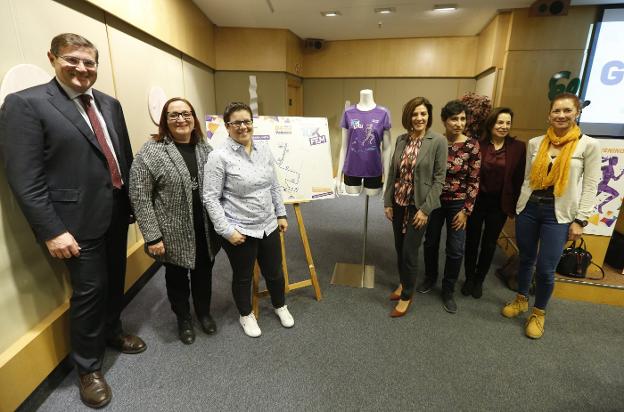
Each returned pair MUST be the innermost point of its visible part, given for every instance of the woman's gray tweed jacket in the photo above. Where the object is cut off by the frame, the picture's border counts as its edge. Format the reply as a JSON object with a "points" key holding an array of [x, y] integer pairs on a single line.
{"points": [[162, 199]]}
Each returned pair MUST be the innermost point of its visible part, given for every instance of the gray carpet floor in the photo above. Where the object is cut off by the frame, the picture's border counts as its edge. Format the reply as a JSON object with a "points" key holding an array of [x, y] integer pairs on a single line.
{"points": [[345, 352]]}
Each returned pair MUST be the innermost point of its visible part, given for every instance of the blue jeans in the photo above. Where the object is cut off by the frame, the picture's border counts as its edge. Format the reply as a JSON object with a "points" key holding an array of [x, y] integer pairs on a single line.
{"points": [[537, 222], [455, 240]]}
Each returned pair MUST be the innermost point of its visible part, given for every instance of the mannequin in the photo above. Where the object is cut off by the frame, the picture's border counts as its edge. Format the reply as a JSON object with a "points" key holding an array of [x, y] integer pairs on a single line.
{"points": [[365, 132]]}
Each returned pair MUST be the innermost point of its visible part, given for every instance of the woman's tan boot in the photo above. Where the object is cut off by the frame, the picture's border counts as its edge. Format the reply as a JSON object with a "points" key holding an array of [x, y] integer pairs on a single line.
{"points": [[517, 306], [534, 328]]}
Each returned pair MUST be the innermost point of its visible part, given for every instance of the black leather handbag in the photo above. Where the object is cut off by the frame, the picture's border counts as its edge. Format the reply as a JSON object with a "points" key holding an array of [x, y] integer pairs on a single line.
{"points": [[575, 260]]}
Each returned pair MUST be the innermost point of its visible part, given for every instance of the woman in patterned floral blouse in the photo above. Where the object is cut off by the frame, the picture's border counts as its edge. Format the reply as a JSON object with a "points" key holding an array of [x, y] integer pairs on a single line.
{"points": [[458, 197]]}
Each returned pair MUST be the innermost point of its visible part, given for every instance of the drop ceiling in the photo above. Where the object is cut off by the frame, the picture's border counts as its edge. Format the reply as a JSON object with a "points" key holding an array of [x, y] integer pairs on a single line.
{"points": [[413, 18]]}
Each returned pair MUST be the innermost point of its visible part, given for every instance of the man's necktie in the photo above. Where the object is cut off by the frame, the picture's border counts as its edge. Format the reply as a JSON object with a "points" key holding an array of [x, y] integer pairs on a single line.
{"points": [[99, 135]]}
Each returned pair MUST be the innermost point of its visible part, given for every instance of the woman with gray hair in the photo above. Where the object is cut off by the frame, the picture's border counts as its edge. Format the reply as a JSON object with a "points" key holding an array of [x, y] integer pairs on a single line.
{"points": [[165, 181]]}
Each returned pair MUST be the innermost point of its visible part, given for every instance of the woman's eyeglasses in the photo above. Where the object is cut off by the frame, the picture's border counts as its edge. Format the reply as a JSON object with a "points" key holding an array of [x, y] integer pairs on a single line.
{"points": [[239, 123], [175, 115]]}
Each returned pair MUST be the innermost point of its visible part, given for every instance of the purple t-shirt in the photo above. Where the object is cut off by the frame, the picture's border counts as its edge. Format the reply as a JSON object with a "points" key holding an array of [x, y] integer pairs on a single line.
{"points": [[365, 129]]}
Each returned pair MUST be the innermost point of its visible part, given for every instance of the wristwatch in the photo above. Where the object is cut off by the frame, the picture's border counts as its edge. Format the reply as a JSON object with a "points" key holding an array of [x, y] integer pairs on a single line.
{"points": [[581, 223]]}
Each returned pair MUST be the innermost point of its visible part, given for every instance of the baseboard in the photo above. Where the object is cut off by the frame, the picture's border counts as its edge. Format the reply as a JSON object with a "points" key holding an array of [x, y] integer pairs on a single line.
{"points": [[27, 363], [589, 293]]}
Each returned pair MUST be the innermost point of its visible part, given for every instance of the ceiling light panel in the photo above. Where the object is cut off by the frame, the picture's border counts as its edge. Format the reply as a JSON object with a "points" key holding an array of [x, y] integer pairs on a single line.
{"points": [[331, 13], [445, 7], [385, 10]]}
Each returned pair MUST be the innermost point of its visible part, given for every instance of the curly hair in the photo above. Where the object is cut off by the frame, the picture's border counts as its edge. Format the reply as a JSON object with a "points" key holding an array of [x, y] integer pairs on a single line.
{"points": [[479, 108]]}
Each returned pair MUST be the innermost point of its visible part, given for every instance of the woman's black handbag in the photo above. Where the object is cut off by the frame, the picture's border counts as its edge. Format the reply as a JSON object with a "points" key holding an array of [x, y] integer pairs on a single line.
{"points": [[575, 260]]}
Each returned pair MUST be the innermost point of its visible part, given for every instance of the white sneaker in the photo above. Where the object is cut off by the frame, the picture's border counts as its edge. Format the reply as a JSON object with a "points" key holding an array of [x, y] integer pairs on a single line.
{"points": [[250, 325], [285, 317]]}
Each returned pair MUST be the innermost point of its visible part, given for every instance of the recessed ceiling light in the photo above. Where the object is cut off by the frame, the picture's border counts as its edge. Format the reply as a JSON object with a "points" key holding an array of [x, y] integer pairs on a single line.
{"points": [[445, 7], [385, 10], [330, 13]]}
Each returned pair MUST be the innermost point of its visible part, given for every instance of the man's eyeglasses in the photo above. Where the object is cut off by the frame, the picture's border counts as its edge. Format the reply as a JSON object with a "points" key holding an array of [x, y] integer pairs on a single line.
{"points": [[239, 123], [175, 115], [75, 61]]}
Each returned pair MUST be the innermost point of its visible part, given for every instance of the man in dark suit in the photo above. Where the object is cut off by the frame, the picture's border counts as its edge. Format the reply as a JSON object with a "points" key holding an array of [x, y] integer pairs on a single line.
{"points": [[67, 156]]}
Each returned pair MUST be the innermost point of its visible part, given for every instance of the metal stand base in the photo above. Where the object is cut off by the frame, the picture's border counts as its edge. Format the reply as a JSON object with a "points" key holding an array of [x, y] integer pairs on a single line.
{"points": [[354, 275]]}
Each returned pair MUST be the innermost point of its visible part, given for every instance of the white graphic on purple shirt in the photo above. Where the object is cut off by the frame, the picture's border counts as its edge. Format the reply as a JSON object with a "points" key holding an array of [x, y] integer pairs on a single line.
{"points": [[365, 134]]}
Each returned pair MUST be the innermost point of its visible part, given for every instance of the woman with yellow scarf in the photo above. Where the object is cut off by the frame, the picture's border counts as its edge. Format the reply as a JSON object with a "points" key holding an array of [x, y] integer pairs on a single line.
{"points": [[556, 200]]}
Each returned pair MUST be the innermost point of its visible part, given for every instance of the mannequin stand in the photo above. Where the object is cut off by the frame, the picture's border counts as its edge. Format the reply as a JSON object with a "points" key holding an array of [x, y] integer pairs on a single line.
{"points": [[354, 274]]}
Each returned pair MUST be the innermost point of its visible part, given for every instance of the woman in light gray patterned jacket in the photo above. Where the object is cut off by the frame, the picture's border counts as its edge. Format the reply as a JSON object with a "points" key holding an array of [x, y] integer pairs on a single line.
{"points": [[165, 181]]}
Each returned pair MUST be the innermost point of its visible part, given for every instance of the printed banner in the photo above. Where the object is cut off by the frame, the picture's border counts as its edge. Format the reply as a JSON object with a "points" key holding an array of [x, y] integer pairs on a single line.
{"points": [[610, 189]]}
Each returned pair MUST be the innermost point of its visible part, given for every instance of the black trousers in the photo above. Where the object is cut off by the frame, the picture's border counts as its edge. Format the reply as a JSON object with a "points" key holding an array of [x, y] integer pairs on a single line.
{"points": [[177, 281], [97, 278], [455, 241], [484, 226], [406, 246], [242, 258]]}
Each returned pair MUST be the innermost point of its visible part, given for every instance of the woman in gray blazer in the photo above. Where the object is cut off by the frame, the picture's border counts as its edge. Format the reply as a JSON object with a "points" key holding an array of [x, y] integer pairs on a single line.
{"points": [[165, 181], [413, 186]]}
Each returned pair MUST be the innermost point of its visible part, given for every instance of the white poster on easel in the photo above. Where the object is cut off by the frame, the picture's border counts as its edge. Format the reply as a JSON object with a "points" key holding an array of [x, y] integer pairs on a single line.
{"points": [[301, 148], [610, 189]]}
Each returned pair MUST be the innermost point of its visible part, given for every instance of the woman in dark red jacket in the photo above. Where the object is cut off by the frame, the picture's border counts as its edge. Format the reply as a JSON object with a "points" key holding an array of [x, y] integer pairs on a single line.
{"points": [[502, 172]]}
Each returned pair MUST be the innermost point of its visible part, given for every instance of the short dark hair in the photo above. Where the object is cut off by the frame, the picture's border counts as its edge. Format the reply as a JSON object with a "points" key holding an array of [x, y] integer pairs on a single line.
{"points": [[566, 95], [71, 40], [452, 108], [235, 107], [163, 125], [490, 121], [408, 110]]}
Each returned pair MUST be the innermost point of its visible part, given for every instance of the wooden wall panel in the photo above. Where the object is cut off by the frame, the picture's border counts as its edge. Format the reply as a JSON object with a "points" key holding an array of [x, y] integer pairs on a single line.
{"points": [[492, 43], [251, 49], [294, 54], [486, 45], [525, 86], [272, 91], [414, 57], [551, 33], [179, 23], [503, 34]]}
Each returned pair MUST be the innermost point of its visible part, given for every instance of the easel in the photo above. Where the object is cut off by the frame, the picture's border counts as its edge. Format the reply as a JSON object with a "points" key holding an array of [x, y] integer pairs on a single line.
{"points": [[313, 281]]}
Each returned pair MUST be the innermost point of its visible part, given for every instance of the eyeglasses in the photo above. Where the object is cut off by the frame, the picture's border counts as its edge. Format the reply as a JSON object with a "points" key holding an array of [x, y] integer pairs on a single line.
{"points": [[239, 123], [75, 61], [175, 115]]}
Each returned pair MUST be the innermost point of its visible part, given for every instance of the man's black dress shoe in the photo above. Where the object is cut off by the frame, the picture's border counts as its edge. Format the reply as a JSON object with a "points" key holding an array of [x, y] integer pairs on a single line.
{"points": [[126, 343], [94, 391], [185, 330], [208, 324]]}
